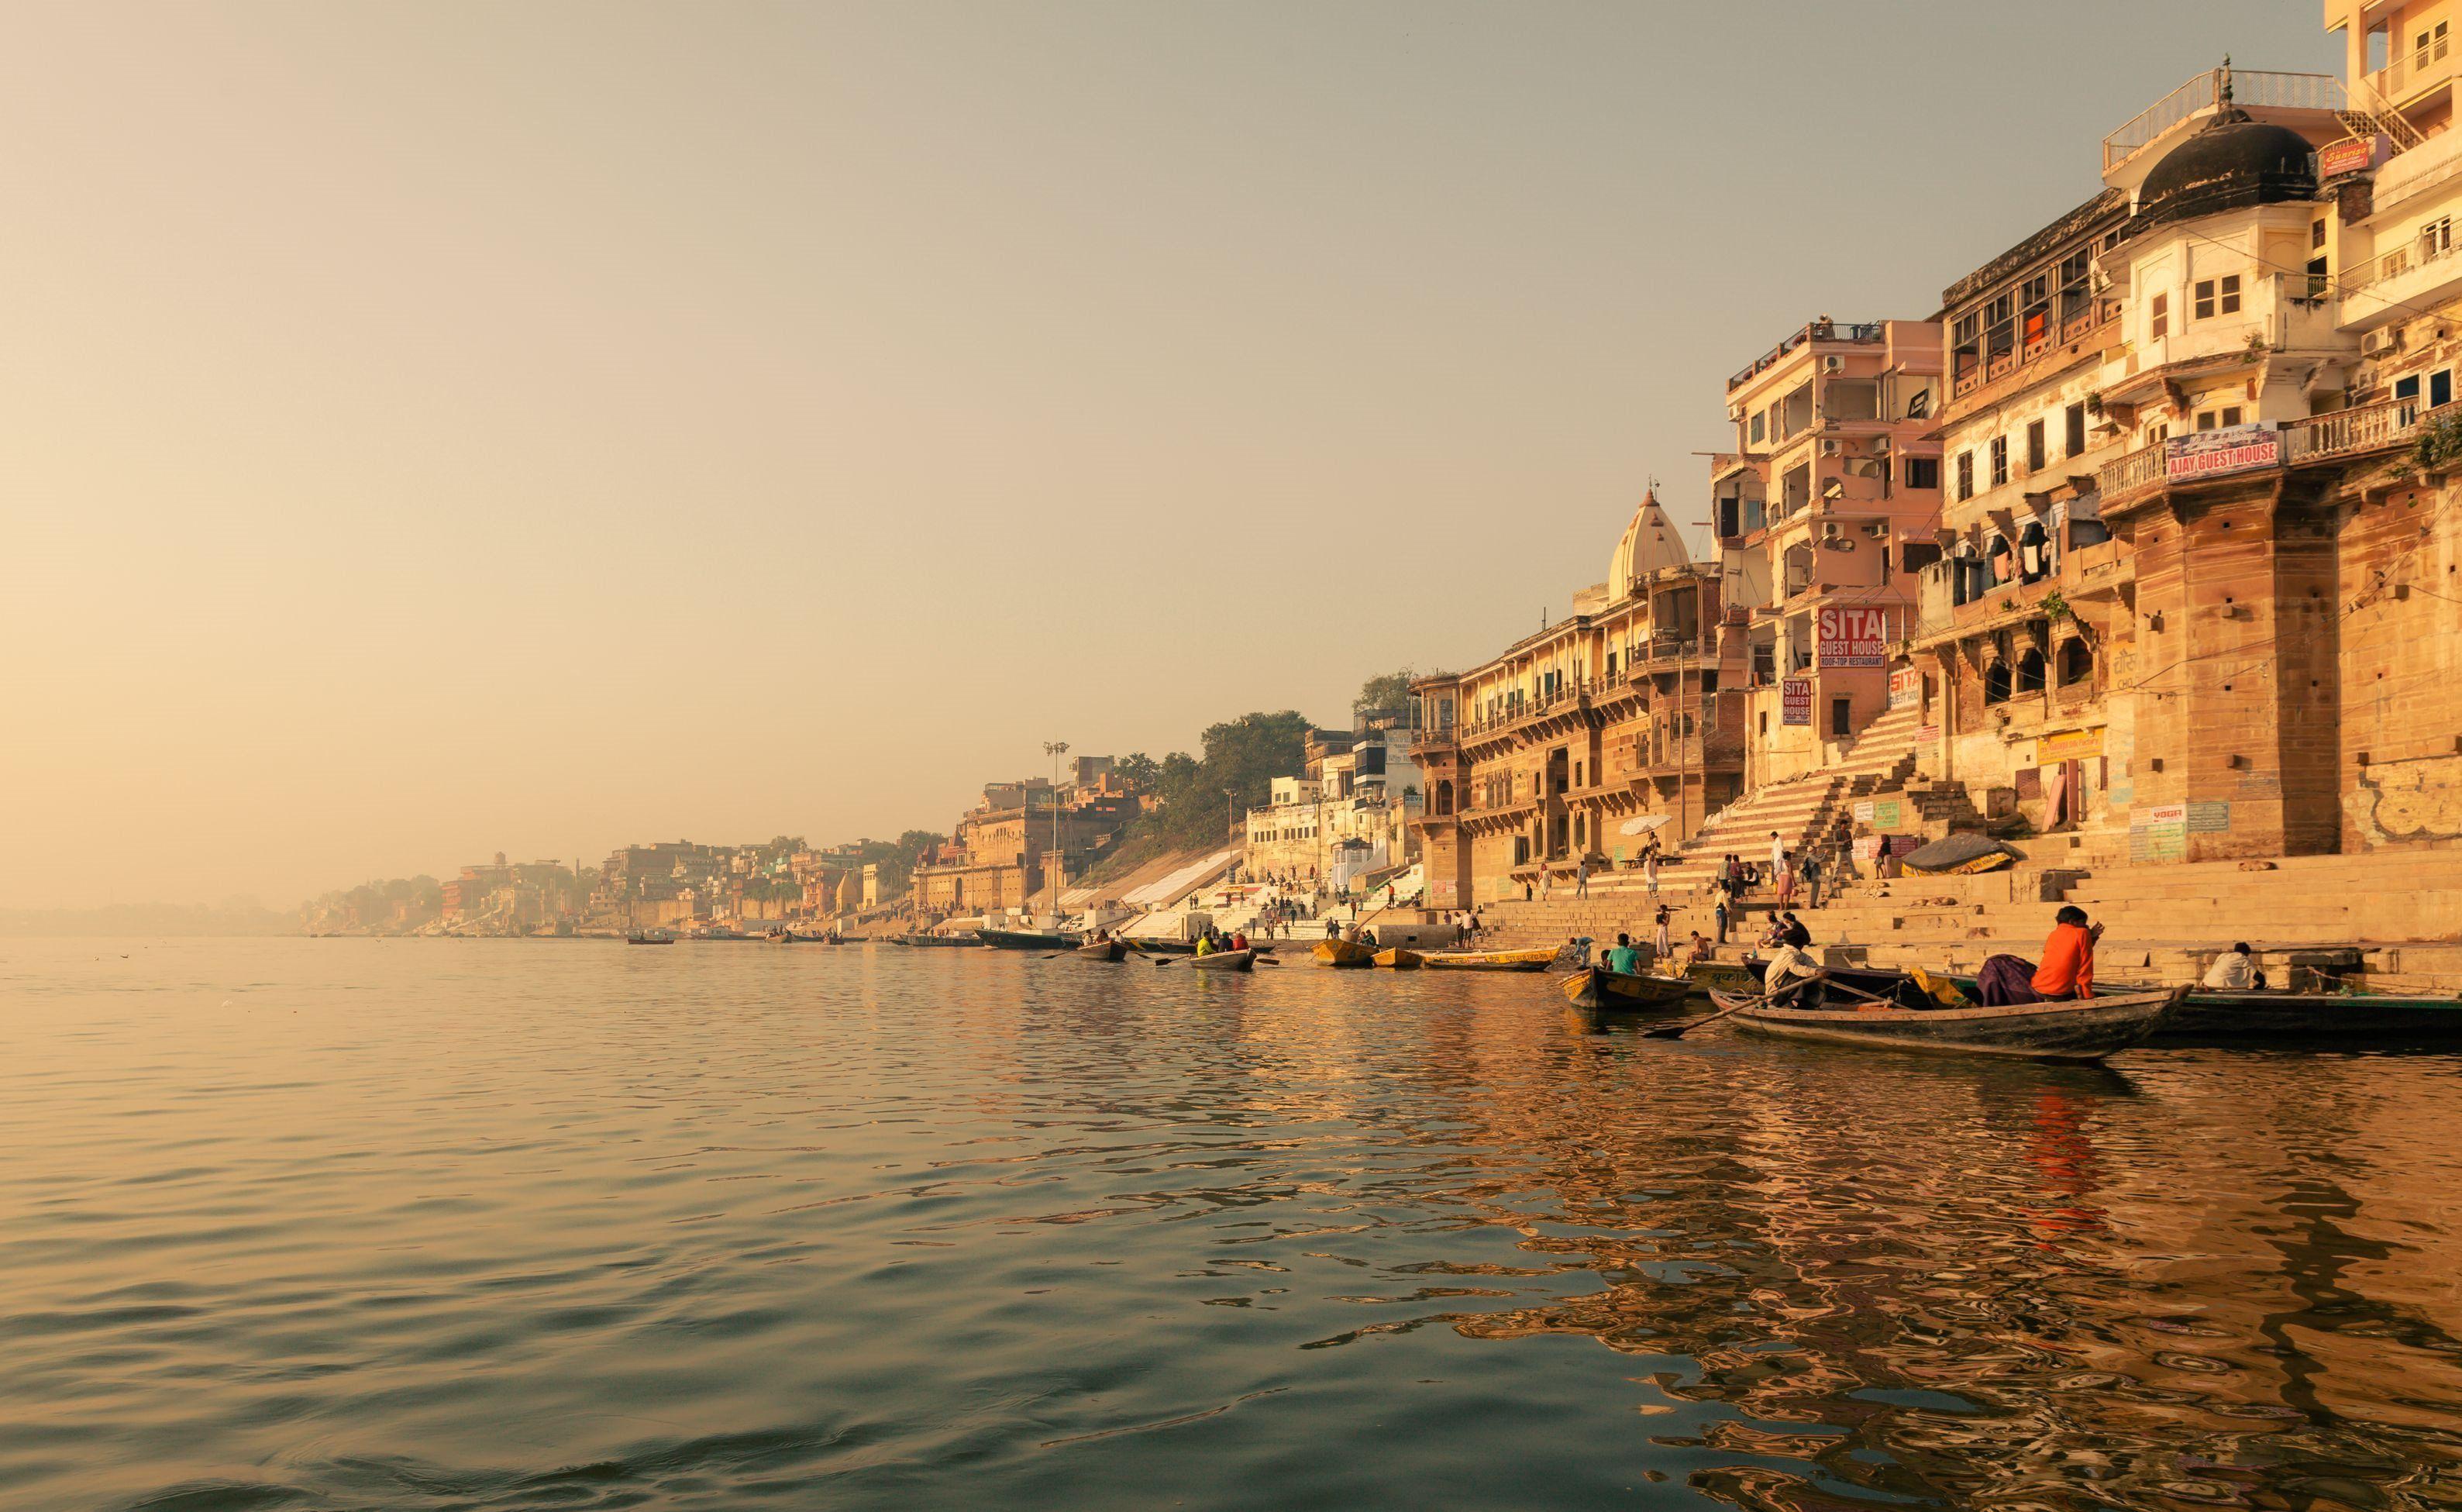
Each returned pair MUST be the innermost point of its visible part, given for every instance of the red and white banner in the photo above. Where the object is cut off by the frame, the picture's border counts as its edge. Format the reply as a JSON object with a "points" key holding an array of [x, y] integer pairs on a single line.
{"points": [[1853, 638], [1795, 701]]}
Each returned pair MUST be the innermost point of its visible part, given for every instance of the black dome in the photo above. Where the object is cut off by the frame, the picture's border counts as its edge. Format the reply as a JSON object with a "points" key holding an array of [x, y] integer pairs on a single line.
{"points": [[2233, 163]]}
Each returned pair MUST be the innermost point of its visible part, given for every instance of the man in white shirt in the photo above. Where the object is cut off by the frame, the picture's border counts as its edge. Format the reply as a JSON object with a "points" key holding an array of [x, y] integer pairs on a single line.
{"points": [[1778, 856], [2234, 970]]}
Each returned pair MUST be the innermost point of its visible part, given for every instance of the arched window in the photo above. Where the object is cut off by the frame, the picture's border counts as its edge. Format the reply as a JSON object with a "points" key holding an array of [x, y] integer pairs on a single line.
{"points": [[2076, 663], [1444, 795], [1995, 682], [2030, 671]]}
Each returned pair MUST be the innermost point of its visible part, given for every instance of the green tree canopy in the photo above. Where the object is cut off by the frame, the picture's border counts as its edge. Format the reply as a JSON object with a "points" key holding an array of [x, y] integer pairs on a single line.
{"points": [[1387, 690]]}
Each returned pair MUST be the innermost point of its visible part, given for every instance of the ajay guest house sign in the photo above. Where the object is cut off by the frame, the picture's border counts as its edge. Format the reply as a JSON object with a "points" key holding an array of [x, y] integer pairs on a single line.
{"points": [[2221, 452]]}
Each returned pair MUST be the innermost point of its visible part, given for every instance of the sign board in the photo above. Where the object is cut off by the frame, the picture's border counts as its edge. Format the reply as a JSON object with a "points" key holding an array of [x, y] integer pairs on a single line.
{"points": [[1443, 894], [1862, 812], [2221, 452], [1795, 701], [2350, 155], [1888, 814], [1853, 638], [1906, 685], [1927, 735], [2068, 746], [1868, 847], [2163, 836]]}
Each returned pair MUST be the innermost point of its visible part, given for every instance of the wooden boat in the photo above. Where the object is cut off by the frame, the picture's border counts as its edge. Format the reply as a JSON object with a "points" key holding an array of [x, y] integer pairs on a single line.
{"points": [[1164, 947], [1227, 960], [940, 942], [1398, 959], [1026, 940], [1103, 950], [650, 936], [1621, 992], [1731, 976], [2211, 1015], [1489, 959], [2085, 1029], [1343, 953]]}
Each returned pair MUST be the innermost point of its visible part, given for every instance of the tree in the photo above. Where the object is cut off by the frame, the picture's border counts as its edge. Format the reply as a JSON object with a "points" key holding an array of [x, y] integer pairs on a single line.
{"points": [[1139, 770], [1387, 690]]}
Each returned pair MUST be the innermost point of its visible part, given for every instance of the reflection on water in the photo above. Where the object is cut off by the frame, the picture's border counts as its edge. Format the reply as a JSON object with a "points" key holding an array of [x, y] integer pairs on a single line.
{"points": [[479, 1224]]}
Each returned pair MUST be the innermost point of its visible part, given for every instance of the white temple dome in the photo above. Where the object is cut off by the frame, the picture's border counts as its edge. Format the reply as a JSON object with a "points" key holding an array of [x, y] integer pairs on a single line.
{"points": [[1649, 544]]}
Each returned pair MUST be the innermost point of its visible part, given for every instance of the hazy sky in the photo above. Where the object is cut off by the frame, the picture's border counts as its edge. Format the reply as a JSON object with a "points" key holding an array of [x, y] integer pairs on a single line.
{"points": [[434, 429]]}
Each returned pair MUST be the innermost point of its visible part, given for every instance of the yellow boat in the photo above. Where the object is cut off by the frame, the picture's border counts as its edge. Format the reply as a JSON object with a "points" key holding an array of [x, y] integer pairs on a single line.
{"points": [[1489, 960], [1343, 953], [1400, 960], [1597, 987]]}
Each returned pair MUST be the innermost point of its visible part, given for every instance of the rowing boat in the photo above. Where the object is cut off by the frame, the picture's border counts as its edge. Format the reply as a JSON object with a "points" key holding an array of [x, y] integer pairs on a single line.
{"points": [[1732, 975], [1398, 959], [1343, 953], [1227, 960], [1489, 960], [2211, 1015], [1028, 939], [1616, 991], [1103, 950], [2075, 1030]]}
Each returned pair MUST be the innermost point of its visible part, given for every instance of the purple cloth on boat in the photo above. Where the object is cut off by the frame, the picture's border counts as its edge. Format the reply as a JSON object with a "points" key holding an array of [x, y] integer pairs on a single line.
{"points": [[2006, 981]]}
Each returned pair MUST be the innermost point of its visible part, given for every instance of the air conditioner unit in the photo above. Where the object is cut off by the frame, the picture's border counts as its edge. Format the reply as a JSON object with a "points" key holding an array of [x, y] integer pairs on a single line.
{"points": [[2377, 343], [1833, 364], [1877, 529], [1830, 535], [1832, 448]]}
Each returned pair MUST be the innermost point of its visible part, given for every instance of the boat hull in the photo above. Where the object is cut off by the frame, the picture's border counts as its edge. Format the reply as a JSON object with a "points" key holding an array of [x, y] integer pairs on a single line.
{"points": [[2211, 1016], [1112, 950], [1398, 959], [1227, 960], [2083, 1031], [1489, 960], [1344, 954], [1028, 939], [1605, 991], [1728, 976]]}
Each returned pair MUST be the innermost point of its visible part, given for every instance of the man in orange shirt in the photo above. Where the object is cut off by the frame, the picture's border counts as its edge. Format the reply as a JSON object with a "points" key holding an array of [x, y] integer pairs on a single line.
{"points": [[2068, 971]]}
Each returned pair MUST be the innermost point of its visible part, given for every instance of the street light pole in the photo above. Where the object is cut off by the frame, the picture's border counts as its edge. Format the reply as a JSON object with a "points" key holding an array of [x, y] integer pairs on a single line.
{"points": [[1055, 750]]}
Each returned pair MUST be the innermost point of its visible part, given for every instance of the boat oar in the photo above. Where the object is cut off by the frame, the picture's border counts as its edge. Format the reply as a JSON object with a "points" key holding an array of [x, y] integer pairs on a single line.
{"points": [[1677, 1032]]}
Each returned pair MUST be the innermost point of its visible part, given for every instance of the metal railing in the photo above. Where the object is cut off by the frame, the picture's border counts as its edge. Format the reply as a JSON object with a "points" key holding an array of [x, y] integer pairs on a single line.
{"points": [[1815, 330], [2411, 71], [2207, 91]]}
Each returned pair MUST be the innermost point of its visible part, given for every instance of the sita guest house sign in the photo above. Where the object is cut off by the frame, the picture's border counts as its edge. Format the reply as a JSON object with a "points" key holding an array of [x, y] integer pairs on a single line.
{"points": [[1853, 638], [2221, 452]]}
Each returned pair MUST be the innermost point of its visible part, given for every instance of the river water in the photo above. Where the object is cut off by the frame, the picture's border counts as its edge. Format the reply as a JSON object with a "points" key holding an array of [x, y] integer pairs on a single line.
{"points": [[495, 1224]]}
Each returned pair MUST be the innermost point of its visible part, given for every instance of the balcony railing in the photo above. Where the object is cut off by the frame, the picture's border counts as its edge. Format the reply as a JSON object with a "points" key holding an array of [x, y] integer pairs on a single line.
{"points": [[1976, 372], [2383, 426], [2128, 473], [2412, 72], [1817, 330], [2206, 92]]}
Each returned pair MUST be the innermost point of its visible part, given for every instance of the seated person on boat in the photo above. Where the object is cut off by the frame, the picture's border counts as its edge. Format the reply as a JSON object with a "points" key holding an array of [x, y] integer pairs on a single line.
{"points": [[2234, 970], [1621, 957], [1788, 964], [2068, 971]]}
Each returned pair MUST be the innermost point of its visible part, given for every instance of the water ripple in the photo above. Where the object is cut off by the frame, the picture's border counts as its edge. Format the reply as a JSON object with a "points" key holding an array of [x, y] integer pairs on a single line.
{"points": [[482, 1225]]}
